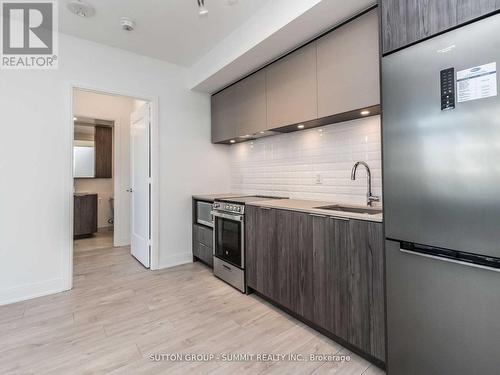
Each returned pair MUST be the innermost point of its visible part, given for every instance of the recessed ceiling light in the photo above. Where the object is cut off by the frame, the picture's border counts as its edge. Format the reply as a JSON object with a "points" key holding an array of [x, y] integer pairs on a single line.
{"points": [[365, 112], [74, 119], [232, 141], [262, 132], [202, 9], [81, 8], [320, 130], [300, 126]]}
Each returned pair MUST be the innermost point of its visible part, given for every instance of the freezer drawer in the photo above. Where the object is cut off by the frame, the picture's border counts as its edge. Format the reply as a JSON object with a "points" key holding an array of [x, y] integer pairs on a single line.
{"points": [[442, 317]]}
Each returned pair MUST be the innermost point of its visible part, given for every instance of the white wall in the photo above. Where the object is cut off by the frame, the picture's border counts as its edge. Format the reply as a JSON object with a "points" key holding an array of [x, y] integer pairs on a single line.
{"points": [[118, 109], [289, 164], [35, 164]]}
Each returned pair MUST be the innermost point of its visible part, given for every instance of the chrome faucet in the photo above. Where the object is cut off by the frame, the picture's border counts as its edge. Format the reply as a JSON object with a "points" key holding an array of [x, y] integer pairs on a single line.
{"points": [[369, 197]]}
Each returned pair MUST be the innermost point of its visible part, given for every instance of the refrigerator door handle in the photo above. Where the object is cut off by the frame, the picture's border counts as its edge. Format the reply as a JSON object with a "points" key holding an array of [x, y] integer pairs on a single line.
{"points": [[468, 264]]}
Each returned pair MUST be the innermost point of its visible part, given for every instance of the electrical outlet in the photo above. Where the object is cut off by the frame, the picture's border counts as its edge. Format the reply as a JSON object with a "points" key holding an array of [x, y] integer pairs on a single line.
{"points": [[319, 180]]}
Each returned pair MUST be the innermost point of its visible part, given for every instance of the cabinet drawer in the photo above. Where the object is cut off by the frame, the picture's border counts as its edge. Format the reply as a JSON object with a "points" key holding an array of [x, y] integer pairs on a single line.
{"points": [[203, 253], [203, 234]]}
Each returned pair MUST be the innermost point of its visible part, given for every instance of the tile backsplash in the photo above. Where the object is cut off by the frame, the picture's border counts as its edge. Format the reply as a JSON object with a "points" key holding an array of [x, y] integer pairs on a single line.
{"points": [[311, 164]]}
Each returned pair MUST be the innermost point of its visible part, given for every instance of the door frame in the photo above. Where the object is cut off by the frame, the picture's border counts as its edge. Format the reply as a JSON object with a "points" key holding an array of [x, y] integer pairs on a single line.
{"points": [[155, 167]]}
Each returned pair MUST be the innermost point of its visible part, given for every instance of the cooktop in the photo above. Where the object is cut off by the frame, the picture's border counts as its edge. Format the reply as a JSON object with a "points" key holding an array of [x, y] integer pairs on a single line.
{"points": [[249, 198]]}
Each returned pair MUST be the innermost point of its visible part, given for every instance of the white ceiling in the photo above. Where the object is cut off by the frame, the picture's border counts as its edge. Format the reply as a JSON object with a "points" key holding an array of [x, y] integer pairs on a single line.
{"points": [[169, 30], [271, 32]]}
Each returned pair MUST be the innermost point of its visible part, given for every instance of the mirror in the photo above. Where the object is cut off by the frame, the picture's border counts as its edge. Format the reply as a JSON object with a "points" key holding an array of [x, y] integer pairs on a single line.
{"points": [[84, 152], [92, 149]]}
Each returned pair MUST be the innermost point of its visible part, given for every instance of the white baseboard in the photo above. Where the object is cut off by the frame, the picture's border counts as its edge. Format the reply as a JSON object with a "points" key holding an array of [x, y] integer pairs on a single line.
{"points": [[105, 229], [118, 242], [176, 260], [34, 290]]}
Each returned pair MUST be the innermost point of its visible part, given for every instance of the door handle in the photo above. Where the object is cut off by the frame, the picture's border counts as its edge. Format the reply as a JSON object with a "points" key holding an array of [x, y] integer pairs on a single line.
{"points": [[226, 267], [449, 260]]}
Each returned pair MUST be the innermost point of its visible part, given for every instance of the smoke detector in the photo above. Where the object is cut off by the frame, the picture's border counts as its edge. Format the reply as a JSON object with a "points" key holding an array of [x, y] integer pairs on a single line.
{"points": [[202, 9], [81, 8], [127, 24]]}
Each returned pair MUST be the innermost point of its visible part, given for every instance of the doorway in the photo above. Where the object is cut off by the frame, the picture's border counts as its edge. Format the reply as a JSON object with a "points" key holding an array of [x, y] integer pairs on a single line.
{"points": [[113, 174]]}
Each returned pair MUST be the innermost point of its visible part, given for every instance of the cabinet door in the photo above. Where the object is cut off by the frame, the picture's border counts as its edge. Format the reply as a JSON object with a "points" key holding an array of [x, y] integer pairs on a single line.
{"points": [[348, 67], [405, 22], [471, 9], [291, 88], [250, 104], [103, 151], [85, 215], [300, 270], [203, 243], [286, 253], [330, 238], [261, 252], [223, 115], [366, 328]]}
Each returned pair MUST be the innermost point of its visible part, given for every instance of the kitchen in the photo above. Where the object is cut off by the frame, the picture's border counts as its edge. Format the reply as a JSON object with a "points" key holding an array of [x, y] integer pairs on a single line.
{"points": [[312, 187], [321, 253]]}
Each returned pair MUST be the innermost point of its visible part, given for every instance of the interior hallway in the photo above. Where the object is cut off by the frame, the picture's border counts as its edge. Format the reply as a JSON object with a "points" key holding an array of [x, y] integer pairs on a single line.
{"points": [[119, 313]]}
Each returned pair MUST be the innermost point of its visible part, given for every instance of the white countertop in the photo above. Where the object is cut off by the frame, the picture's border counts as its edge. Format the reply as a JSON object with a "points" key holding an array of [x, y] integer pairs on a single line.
{"points": [[309, 206]]}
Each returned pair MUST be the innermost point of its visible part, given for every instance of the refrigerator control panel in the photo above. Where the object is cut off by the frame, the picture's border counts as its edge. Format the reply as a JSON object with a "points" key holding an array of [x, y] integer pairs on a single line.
{"points": [[448, 89]]}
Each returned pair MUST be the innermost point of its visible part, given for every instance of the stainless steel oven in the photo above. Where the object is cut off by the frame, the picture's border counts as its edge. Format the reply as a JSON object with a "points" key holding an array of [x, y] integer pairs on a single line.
{"points": [[229, 243], [229, 238]]}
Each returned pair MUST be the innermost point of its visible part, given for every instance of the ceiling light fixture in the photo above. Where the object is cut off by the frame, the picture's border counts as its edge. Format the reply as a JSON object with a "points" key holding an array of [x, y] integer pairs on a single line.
{"points": [[127, 24], [365, 112], [300, 126], [81, 8], [202, 11], [74, 119], [232, 141]]}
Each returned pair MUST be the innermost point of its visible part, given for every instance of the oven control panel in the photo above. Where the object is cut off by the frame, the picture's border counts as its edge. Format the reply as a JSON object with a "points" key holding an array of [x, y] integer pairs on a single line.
{"points": [[229, 207]]}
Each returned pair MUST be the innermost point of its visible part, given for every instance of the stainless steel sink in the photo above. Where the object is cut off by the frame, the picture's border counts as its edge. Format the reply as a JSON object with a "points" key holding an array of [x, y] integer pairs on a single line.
{"points": [[356, 210]]}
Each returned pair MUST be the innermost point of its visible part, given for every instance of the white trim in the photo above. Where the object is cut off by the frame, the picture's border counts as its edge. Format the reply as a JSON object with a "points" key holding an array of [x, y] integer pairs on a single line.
{"points": [[33, 290], [177, 260], [155, 199]]}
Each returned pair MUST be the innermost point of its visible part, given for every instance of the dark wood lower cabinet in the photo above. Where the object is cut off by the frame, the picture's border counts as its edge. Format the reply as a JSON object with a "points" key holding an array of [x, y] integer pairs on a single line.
{"points": [[330, 249], [366, 328], [326, 270], [203, 244], [84, 215]]}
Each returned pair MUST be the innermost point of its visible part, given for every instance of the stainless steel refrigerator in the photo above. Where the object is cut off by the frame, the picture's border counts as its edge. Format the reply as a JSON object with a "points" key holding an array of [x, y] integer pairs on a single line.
{"points": [[441, 162]]}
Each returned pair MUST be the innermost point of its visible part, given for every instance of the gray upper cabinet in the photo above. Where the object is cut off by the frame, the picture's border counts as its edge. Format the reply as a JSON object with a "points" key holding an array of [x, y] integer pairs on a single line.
{"points": [[291, 87], [405, 22], [336, 74], [223, 110], [250, 98], [348, 67]]}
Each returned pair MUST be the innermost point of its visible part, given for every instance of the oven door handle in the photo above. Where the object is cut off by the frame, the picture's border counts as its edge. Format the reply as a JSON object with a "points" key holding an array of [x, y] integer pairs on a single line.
{"points": [[227, 216]]}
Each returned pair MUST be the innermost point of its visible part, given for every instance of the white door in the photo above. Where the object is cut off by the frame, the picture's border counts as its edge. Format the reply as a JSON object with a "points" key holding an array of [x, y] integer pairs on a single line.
{"points": [[140, 185]]}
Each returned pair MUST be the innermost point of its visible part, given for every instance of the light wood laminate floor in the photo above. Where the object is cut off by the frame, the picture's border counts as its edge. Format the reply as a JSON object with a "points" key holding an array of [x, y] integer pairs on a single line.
{"points": [[119, 314], [99, 240]]}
